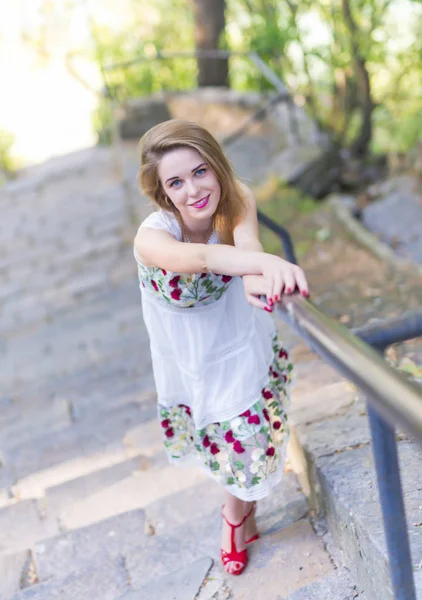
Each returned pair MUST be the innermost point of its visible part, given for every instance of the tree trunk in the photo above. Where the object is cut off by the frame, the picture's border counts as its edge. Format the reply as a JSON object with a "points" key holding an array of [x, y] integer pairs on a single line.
{"points": [[209, 26], [360, 145]]}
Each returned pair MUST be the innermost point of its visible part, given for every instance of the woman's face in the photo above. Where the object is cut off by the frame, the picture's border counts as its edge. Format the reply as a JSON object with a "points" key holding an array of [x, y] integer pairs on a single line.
{"points": [[191, 185]]}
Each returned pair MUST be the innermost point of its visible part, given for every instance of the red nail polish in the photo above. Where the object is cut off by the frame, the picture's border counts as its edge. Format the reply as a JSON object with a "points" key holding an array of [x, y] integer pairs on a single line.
{"points": [[268, 309], [276, 298], [288, 290], [270, 302], [305, 294]]}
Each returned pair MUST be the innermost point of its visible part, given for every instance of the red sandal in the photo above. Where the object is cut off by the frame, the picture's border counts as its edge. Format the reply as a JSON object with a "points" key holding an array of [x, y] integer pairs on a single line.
{"points": [[234, 559], [256, 536]]}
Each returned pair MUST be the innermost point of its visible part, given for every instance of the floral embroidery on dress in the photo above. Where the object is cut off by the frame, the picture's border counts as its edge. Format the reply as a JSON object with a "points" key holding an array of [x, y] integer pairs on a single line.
{"points": [[246, 450], [183, 289]]}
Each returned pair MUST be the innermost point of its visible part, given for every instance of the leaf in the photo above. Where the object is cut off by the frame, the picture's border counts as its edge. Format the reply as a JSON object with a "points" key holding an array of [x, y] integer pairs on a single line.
{"points": [[215, 466], [230, 480], [239, 465], [255, 479]]}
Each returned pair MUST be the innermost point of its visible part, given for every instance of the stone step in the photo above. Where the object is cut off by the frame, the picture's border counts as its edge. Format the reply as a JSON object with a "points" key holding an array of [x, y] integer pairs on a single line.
{"points": [[78, 440], [200, 500], [22, 523], [107, 581], [135, 491], [61, 497], [281, 561], [286, 540], [12, 569], [183, 584], [337, 586], [29, 415], [59, 556], [139, 441], [348, 488]]}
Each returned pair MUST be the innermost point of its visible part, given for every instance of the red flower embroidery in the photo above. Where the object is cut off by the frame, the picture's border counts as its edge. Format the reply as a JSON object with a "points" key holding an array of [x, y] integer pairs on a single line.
{"points": [[174, 281], [277, 425], [165, 423], [283, 354], [237, 447], [284, 378], [214, 449], [229, 436], [154, 285], [203, 275], [247, 413], [274, 374], [170, 432], [206, 442], [226, 278], [265, 411], [254, 419], [164, 272], [188, 410], [267, 394], [270, 452], [176, 294]]}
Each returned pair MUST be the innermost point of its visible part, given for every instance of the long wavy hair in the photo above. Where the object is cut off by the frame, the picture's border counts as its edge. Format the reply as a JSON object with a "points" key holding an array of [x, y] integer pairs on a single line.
{"points": [[177, 133]]}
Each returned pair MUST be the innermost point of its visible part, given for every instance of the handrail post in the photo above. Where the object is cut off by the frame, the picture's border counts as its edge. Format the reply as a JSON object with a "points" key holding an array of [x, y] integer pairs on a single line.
{"points": [[390, 491], [384, 447]]}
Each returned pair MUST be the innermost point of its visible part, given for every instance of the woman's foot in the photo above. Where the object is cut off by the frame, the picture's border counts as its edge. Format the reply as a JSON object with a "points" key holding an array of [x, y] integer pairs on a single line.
{"points": [[234, 555], [251, 530]]}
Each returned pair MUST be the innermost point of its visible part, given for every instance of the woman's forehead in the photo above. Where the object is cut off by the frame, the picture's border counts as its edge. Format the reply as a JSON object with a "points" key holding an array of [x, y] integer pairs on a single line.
{"points": [[179, 162]]}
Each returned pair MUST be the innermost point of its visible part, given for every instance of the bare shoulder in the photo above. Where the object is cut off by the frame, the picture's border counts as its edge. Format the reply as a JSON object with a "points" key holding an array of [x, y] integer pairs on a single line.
{"points": [[149, 242]]}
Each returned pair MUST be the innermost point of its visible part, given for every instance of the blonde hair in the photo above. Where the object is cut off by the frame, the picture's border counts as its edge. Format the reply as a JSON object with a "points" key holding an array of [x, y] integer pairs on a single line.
{"points": [[177, 133]]}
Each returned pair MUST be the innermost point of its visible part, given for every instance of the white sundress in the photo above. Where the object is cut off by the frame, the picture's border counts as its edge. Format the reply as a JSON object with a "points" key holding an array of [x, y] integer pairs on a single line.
{"points": [[221, 373]]}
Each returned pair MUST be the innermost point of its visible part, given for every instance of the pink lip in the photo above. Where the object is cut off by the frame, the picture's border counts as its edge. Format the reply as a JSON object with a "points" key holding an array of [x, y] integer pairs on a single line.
{"points": [[201, 203]]}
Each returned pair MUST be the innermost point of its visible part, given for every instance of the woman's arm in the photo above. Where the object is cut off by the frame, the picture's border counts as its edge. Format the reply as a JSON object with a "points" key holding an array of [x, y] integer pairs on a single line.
{"points": [[157, 248]]}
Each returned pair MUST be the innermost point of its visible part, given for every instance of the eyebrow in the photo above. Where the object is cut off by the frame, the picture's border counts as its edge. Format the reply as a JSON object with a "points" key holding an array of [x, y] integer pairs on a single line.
{"points": [[193, 171]]}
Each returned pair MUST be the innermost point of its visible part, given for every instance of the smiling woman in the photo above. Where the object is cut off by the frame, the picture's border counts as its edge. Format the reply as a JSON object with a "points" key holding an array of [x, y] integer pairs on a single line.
{"points": [[221, 373]]}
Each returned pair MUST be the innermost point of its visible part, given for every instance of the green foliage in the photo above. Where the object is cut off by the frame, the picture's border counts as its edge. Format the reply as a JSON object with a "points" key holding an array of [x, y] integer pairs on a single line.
{"points": [[311, 46], [156, 29], [284, 205]]}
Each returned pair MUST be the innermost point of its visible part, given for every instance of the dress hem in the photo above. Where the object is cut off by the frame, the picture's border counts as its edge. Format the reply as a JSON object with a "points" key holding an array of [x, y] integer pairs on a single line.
{"points": [[258, 492]]}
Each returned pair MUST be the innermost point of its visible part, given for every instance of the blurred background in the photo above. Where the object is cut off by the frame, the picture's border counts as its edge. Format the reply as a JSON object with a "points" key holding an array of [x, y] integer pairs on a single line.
{"points": [[355, 65]]}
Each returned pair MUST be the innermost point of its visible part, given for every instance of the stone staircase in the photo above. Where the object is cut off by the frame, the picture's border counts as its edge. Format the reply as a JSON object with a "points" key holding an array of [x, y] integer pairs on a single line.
{"points": [[89, 507]]}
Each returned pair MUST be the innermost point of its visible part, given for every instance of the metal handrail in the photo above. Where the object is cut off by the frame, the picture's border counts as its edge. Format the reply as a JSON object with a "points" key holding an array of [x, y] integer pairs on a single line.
{"points": [[391, 399], [393, 395]]}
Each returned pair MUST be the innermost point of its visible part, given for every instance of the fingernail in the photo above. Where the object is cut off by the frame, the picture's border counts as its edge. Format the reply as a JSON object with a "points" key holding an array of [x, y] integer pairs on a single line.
{"points": [[305, 294], [270, 302], [288, 290], [276, 298], [268, 309]]}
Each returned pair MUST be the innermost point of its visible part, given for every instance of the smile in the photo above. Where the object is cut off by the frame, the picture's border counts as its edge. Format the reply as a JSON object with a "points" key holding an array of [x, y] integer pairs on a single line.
{"points": [[201, 203]]}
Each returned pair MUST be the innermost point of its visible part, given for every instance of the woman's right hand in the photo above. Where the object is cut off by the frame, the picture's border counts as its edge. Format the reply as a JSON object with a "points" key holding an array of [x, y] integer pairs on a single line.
{"points": [[282, 277]]}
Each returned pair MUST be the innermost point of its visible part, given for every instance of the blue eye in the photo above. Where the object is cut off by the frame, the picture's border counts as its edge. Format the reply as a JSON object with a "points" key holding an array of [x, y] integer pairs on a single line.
{"points": [[175, 183], [200, 172]]}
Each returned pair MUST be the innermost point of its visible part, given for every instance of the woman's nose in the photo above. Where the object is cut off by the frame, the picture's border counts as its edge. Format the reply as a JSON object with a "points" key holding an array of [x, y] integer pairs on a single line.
{"points": [[192, 187]]}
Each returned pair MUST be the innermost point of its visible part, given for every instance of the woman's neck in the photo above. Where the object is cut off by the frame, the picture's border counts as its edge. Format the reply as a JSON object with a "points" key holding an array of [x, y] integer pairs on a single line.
{"points": [[198, 235]]}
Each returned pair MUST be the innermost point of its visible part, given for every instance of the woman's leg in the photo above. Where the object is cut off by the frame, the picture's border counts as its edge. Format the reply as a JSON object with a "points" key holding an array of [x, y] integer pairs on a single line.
{"points": [[250, 524], [234, 511]]}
